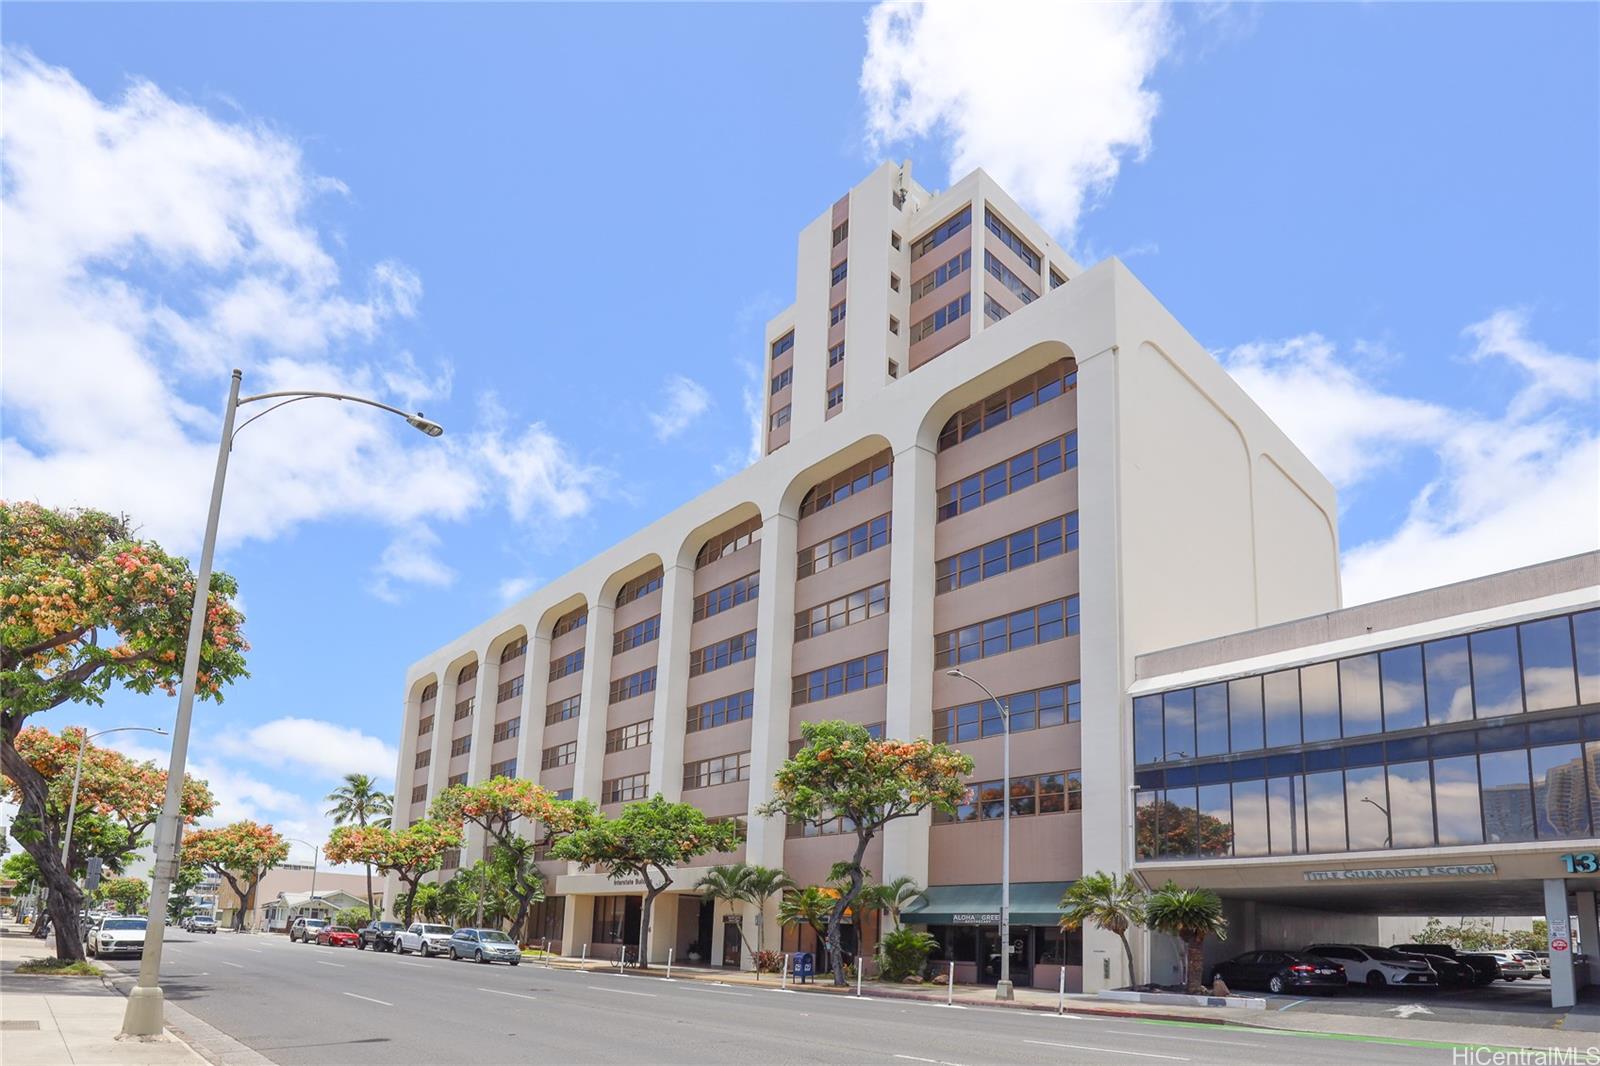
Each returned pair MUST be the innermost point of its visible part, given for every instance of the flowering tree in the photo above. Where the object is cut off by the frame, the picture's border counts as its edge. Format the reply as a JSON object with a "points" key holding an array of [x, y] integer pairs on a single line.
{"points": [[842, 772], [240, 853], [128, 893], [408, 853], [646, 841], [87, 606], [520, 819]]}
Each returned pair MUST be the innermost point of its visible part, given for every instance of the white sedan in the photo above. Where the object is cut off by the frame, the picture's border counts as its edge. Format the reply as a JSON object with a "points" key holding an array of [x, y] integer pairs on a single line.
{"points": [[117, 936]]}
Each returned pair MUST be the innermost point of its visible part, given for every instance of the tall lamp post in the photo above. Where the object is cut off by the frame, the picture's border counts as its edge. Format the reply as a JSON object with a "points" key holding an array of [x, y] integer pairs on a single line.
{"points": [[1003, 989], [143, 1016], [77, 776], [315, 853]]}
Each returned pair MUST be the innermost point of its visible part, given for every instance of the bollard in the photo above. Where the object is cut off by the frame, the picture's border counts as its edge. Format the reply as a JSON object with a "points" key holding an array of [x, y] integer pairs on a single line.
{"points": [[585, 959], [950, 987], [669, 964], [622, 961], [783, 981], [1061, 993], [861, 968], [547, 963]]}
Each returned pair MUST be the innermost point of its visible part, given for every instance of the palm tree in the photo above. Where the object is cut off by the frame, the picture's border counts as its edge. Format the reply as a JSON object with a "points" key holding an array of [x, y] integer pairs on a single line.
{"points": [[761, 884], [897, 895], [727, 883], [359, 800], [1106, 901], [807, 906], [1191, 915]]}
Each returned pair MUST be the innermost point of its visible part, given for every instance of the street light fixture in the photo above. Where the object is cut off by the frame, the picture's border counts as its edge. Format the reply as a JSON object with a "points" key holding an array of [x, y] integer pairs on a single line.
{"points": [[1003, 989], [77, 775], [143, 1016], [315, 853]]}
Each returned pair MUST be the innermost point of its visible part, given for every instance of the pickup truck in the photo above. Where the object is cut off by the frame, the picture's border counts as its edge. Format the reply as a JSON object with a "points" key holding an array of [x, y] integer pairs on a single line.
{"points": [[425, 939], [379, 936]]}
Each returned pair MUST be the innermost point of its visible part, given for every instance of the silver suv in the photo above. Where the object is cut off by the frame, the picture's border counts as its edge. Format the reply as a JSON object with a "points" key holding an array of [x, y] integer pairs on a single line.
{"points": [[306, 929]]}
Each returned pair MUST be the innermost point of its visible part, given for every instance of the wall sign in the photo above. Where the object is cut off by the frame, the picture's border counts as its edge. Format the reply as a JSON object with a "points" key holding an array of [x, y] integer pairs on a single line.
{"points": [[1395, 873], [1581, 862], [976, 919]]}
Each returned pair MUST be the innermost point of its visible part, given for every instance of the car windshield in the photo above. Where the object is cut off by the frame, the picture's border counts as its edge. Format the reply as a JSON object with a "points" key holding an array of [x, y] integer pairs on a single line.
{"points": [[316, 923], [444, 930], [203, 921], [341, 929], [1386, 955], [123, 923], [493, 936], [388, 925]]}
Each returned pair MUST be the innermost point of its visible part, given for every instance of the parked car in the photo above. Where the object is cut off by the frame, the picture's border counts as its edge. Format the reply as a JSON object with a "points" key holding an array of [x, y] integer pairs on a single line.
{"points": [[1484, 966], [484, 945], [425, 939], [306, 929], [117, 936], [202, 923], [338, 936], [1453, 973], [379, 936], [1535, 963], [1281, 971], [1378, 967], [1513, 967], [1544, 962]]}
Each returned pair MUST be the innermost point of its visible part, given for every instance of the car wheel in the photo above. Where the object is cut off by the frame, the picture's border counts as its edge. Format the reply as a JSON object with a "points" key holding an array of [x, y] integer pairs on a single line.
{"points": [[1275, 984], [453, 956], [361, 945], [477, 956], [515, 961], [1375, 979]]}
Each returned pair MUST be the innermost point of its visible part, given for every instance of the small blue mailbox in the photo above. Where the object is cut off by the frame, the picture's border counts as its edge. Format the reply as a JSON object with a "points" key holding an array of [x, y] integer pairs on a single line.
{"points": [[804, 966]]}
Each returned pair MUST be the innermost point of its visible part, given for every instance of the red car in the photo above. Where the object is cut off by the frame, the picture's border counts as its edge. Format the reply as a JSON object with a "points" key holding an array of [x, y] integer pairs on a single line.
{"points": [[338, 936]]}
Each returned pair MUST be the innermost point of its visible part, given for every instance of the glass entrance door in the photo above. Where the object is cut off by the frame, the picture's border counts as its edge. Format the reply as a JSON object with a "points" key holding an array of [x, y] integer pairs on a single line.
{"points": [[1021, 955]]}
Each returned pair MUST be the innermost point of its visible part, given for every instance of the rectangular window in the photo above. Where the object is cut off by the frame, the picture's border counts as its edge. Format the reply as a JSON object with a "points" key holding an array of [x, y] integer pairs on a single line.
{"points": [[515, 650], [624, 737], [894, 325], [509, 690], [637, 634], [611, 925], [723, 653], [463, 709], [721, 711], [718, 770], [419, 793], [780, 417], [783, 344], [835, 396], [1051, 793], [941, 318], [456, 780], [1035, 709], [842, 486], [941, 233], [840, 272], [507, 768], [1250, 818], [847, 610], [1056, 280], [425, 725], [1455, 800], [954, 268], [894, 282], [1246, 729], [451, 859], [1178, 718], [1211, 719], [1586, 646], [1548, 679], [1506, 794], [1019, 629], [998, 408], [1449, 681], [461, 745], [1148, 746], [1402, 688], [1319, 702], [726, 597], [559, 755], [1005, 478], [1282, 695], [1004, 275], [560, 712], [640, 587], [993, 311], [508, 729], [840, 232], [1011, 552], [894, 370], [869, 671], [836, 313], [1410, 805], [782, 380], [430, 691], [894, 240], [567, 664], [1009, 238], [625, 789], [1360, 701], [626, 688], [836, 354], [567, 623], [423, 759]]}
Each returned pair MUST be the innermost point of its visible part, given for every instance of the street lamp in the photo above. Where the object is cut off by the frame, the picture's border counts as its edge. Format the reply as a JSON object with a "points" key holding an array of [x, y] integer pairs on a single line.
{"points": [[143, 1014], [77, 775], [315, 852], [1002, 990], [1389, 835]]}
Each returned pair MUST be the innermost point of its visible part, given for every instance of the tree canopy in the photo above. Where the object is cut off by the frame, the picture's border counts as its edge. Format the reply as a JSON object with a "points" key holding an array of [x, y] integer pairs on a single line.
{"points": [[241, 853], [361, 801], [408, 853]]}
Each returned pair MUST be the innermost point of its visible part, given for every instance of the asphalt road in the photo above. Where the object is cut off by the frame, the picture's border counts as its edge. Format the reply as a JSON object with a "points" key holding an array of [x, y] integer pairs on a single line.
{"points": [[303, 1004]]}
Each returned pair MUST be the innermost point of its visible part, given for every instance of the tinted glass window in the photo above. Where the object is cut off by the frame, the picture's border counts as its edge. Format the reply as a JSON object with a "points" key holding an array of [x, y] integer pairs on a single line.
{"points": [[1449, 680], [1178, 822], [1561, 804], [1455, 799], [1547, 675], [1325, 810], [1496, 674], [1245, 728], [1319, 701], [1586, 636], [1403, 693], [1507, 799], [1147, 729], [1250, 818], [1180, 724], [1359, 698], [1410, 805], [1286, 815], [1367, 801], [1282, 695], [1216, 820], [1211, 719]]}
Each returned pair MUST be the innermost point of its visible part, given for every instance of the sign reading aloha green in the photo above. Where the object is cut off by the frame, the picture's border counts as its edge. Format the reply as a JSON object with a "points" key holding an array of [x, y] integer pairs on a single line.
{"points": [[1582, 862]]}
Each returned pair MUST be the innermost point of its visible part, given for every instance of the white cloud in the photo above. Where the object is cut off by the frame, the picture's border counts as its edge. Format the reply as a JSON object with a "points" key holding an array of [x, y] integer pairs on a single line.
{"points": [[1508, 489], [310, 744], [514, 588], [150, 248], [981, 75], [686, 401]]}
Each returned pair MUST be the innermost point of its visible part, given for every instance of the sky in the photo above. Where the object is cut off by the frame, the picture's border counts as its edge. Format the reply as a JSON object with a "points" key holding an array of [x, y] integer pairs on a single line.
{"points": [[559, 231]]}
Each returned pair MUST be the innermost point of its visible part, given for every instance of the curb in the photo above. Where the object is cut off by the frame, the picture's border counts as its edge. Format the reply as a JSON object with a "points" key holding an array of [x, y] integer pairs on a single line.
{"points": [[205, 1040]]}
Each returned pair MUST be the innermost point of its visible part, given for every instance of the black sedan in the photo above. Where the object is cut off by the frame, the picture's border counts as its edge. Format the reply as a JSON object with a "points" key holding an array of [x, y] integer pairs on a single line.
{"points": [[1281, 971], [1453, 972]]}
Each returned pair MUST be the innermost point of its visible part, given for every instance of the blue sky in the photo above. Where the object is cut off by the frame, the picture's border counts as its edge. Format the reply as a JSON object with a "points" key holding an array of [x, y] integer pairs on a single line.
{"points": [[1381, 217]]}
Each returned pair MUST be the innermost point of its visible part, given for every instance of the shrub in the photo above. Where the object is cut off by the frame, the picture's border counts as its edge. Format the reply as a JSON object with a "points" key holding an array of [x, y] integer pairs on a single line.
{"points": [[59, 967], [353, 917], [903, 953], [768, 961]]}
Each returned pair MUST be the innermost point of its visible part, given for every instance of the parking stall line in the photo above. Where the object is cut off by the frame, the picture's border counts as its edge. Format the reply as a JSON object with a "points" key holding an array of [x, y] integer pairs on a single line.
{"points": [[1108, 1050], [369, 999]]}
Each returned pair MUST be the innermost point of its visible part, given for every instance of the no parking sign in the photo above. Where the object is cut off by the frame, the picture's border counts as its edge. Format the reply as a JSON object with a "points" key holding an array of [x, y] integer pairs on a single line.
{"points": [[1558, 944]]}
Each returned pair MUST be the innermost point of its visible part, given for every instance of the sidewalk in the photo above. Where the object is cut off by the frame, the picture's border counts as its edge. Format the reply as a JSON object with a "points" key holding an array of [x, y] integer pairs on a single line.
{"points": [[1339, 1026], [46, 1021]]}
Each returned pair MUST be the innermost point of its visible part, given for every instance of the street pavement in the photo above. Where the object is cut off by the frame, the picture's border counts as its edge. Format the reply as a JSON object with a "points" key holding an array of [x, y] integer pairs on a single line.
{"points": [[305, 1004]]}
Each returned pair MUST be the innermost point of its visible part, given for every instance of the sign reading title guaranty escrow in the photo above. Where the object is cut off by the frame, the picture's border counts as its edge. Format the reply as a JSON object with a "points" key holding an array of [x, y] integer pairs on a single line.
{"points": [[1400, 873]]}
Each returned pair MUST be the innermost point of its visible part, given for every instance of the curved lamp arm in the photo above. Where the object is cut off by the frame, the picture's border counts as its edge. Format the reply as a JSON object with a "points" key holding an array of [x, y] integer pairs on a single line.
{"points": [[416, 421]]}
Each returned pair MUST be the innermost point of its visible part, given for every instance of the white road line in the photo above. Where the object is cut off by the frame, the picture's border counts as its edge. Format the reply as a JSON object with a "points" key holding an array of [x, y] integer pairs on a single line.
{"points": [[235, 965], [1196, 1037], [621, 991], [498, 992], [1294, 1003], [721, 992], [369, 999], [338, 964], [258, 951], [1108, 1050]]}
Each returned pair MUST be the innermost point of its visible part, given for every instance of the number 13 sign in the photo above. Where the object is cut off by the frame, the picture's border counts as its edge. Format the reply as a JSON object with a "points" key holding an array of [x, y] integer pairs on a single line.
{"points": [[1583, 862]]}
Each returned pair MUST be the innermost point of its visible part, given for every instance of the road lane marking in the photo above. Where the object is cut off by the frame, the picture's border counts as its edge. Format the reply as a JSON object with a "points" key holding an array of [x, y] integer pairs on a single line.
{"points": [[338, 964], [1294, 1003], [258, 951], [621, 991], [235, 965], [1108, 1050], [915, 1058], [1157, 1036], [498, 992], [369, 999], [721, 992]]}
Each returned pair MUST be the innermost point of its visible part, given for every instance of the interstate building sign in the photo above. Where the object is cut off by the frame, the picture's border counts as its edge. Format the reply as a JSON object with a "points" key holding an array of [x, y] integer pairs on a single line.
{"points": [[1400, 873]]}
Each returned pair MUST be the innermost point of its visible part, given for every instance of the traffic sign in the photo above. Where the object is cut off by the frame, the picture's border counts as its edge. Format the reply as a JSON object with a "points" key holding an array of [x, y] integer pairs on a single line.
{"points": [[1558, 944]]}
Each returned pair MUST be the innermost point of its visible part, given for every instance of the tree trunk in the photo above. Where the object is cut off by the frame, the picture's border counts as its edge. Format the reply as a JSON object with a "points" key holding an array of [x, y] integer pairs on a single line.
{"points": [[372, 913], [1133, 977], [411, 894], [650, 894], [1195, 963], [64, 895], [836, 918]]}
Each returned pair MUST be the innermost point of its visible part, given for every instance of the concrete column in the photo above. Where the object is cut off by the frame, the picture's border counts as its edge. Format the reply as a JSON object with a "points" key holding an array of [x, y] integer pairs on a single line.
{"points": [[444, 713], [1588, 935], [596, 701], [1563, 989], [769, 734], [669, 719], [535, 682], [909, 692], [483, 711], [577, 925], [664, 928]]}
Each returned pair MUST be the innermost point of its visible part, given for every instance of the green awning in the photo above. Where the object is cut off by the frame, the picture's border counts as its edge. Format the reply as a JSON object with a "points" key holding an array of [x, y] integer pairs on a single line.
{"points": [[1032, 903]]}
